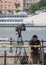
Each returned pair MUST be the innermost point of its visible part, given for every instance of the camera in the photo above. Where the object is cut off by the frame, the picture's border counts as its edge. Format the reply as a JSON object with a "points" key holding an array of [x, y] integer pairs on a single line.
{"points": [[21, 27]]}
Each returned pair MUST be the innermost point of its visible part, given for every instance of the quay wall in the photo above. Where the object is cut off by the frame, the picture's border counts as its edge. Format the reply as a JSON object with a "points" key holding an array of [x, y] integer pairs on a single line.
{"points": [[11, 58], [8, 59]]}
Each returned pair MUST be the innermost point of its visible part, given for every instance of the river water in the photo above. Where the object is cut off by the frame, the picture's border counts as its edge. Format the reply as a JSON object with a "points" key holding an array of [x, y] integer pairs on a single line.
{"points": [[8, 32]]}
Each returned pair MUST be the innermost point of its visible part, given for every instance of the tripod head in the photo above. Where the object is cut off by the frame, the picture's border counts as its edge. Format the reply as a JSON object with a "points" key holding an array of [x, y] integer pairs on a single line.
{"points": [[20, 28], [19, 33]]}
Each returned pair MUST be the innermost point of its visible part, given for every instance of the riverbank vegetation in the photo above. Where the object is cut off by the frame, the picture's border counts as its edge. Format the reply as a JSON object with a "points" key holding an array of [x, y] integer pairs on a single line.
{"points": [[0, 12], [38, 6]]}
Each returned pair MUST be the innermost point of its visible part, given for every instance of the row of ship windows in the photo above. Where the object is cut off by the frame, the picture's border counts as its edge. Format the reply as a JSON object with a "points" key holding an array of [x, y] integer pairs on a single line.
{"points": [[11, 16], [10, 20], [12, 25]]}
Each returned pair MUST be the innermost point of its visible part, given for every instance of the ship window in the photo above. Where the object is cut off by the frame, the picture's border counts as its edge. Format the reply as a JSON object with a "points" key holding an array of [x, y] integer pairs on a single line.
{"points": [[20, 16], [0, 20], [15, 16], [9, 16], [12, 16], [0, 16], [5, 20], [4, 16], [18, 20], [10, 20], [13, 20]]}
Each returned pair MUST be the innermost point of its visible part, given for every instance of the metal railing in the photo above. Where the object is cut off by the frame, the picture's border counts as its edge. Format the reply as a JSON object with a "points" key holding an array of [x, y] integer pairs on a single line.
{"points": [[21, 46]]}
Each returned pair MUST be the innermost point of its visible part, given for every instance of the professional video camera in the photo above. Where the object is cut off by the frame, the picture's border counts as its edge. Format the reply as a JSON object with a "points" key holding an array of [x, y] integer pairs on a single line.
{"points": [[20, 28]]}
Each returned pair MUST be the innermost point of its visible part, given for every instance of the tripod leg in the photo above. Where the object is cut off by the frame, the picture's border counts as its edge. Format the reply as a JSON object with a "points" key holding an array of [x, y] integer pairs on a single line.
{"points": [[18, 43], [25, 53], [24, 48], [15, 61]]}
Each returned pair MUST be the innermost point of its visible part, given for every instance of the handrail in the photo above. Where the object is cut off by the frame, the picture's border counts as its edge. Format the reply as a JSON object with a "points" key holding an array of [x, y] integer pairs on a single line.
{"points": [[16, 40], [21, 46]]}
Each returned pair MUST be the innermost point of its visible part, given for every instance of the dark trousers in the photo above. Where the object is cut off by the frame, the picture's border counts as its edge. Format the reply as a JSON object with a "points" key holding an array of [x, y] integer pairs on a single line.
{"points": [[35, 58]]}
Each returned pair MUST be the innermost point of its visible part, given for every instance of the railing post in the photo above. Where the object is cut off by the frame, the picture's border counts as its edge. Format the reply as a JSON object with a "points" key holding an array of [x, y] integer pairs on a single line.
{"points": [[11, 44], [4, 57], [42, 54]]}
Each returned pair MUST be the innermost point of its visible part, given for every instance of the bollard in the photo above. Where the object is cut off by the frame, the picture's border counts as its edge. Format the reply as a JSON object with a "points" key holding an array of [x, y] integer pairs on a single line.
{"points": [[5, 58], [11, 44], [42, 54]]}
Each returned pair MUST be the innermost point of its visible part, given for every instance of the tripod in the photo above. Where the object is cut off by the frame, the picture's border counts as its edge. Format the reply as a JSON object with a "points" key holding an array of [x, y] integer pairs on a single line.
{"points": [[20, 42]]}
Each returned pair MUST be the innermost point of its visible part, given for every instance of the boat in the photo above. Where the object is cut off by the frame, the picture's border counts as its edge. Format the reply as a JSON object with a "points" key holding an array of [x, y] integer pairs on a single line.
{"points": [[11, 20]]}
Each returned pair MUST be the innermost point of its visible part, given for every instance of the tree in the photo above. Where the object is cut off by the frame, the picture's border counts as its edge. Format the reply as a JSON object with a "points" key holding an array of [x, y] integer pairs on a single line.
{"points": [[43, 8], [17, 11], [10, 11], [41, 5], [33, 7], [0, 12], [42, 2]]}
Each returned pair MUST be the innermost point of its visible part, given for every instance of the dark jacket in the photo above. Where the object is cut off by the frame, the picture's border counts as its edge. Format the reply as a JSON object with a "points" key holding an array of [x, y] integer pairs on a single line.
{"points": [[35, 50]]}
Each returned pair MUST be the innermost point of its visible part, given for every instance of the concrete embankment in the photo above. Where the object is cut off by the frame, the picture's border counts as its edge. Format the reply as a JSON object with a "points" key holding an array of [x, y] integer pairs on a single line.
{"points": [[10, 58]]}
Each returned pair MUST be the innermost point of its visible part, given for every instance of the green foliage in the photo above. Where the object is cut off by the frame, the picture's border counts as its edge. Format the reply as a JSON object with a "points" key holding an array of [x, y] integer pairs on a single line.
{"points": [[42, 2], [10, 11], [17, 11], [0, 12], [43, 8], [42, 5], [38, 6], [33, 7]]}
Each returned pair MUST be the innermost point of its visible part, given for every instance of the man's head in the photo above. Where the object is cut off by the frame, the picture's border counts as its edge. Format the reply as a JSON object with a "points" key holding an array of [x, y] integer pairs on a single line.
{"points": [[35, 37]]}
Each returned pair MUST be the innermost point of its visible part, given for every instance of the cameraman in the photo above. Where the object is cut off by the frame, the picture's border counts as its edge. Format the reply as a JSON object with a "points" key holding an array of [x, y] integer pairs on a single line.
{"points": [[35, 53]]}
